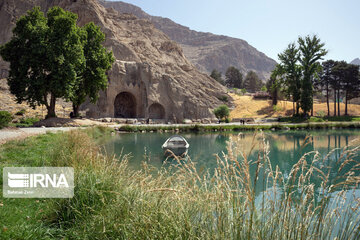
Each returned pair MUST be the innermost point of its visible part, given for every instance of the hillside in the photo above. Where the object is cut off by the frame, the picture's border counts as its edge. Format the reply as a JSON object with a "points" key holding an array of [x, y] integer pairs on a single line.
{"points": [[356, 61], [149, 66], [247, 107], [206, 51]]}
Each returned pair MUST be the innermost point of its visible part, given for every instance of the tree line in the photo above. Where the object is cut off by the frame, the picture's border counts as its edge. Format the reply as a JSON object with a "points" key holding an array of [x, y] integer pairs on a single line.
{"points": [[51, 57], [300, 75], [234, 79]]}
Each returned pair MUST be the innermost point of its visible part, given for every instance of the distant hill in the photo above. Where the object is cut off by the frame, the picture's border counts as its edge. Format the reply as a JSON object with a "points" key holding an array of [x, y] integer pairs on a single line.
{"points": [[356, 61], [206, 51]]}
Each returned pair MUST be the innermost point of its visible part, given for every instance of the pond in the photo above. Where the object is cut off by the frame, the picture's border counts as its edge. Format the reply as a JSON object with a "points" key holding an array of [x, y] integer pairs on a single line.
{"points": [[285, 150], [286, 147]]}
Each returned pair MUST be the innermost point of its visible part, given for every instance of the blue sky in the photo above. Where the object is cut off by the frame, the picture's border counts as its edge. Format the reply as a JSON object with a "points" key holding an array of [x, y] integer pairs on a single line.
{"points": [[269, 25]]}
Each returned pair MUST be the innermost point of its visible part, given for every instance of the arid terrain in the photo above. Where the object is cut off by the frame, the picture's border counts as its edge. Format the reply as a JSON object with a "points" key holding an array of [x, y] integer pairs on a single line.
{"points": [[248, 107]]}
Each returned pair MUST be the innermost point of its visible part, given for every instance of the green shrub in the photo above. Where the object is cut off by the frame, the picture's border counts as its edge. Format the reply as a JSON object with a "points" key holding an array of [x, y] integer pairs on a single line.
{"points": [[316, 119], [277, 108], [223, 98], [5, 118], [320, 113], [21, 112], [222, 112], [27, 122]]}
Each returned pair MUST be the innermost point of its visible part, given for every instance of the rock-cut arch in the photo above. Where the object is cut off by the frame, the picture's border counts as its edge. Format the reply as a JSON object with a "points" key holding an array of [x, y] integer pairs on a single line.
{"points": [[156, 111], [125, 105]]}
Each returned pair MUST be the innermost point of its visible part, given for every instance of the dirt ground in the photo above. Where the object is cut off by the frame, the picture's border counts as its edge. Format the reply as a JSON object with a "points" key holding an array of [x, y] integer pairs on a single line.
{"points": [[248, 107]]}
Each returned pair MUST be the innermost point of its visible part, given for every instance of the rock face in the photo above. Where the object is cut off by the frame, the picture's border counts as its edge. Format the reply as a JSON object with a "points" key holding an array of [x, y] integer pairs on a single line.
{"points": [[206, 51], [356, 61], [151, 76]]}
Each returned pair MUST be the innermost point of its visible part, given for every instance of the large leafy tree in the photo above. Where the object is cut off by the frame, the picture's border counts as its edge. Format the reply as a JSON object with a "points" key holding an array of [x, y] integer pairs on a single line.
{"points": [[311, 51], [291, 73], [337, 84], [91, 76], [252, 82], [215, 74], [233, 78], [43, 54], [326, 78], [351, 84], [50, 57]]}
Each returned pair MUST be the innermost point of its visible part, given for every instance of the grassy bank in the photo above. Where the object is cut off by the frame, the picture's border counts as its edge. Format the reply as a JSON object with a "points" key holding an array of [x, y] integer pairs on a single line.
{"points": [[233, 127], [112, 201]]}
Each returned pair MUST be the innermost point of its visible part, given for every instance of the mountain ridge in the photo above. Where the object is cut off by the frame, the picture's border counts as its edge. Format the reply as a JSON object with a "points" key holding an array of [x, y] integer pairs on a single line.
{"points": [[150, 76], [207, 51], [356, 61]]}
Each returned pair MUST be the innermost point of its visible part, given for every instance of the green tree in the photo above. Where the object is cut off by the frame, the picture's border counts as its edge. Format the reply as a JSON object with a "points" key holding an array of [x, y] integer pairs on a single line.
{"points": [[339, 72], [273, 85], [51, 57], [222, 112], [351, 84], [311, 51], [233, 78], [217, 76], [291, 73], [43, 55], [252, 82], [92, 75], [326, 78]]}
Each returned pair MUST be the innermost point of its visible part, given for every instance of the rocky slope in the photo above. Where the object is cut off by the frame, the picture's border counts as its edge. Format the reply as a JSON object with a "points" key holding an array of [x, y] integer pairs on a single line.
{"points": [[145, 58], [356, 61], [206, 51]]}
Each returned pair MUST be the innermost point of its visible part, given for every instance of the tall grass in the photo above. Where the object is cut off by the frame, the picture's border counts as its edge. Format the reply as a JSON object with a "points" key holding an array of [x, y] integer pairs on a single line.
{"points": [[111, 201]]}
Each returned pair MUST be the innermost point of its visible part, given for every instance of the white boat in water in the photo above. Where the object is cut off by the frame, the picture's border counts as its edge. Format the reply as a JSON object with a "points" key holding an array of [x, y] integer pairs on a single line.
{"points": [[175, 145]]}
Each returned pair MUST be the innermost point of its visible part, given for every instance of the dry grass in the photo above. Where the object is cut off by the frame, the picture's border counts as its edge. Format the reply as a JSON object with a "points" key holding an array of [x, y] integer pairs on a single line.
{"points": [[8, 103], [246, 106], [112, 201]]}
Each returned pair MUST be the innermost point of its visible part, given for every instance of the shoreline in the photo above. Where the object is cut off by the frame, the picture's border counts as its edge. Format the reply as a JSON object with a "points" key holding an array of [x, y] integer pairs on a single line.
{"points": [[9, 134], [233, 127]]}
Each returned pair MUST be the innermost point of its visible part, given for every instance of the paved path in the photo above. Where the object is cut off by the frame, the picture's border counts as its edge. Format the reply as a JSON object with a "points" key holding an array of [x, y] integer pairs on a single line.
{"points": [[8, 134]]}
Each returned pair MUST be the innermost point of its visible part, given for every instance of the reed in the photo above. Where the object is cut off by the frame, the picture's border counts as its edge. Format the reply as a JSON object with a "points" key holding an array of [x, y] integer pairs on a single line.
{"points": [[178, 202], [245, 197]]}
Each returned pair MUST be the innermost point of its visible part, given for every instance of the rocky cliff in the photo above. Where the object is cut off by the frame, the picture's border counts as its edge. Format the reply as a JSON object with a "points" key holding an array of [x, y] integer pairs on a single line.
{"points": [[356, 61], [206, 51], [151, 76]]}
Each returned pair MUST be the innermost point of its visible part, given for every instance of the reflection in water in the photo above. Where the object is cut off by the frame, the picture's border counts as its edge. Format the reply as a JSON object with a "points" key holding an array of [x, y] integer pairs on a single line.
{"points": [[286, 148]]}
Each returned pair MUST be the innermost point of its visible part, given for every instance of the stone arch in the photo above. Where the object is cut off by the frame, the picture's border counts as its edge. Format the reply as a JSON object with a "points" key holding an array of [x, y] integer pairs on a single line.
{"points": [[156, 111], [125, 105]]}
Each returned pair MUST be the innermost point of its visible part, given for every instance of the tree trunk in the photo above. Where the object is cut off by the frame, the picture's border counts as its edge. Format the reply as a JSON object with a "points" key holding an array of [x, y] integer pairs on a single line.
{"points": [[51, 107], [327, 100], [346, 103], [338, 102], [335, 102], [293, 108], [297, 108], [312, 108], [274, 97], [75, 111]]}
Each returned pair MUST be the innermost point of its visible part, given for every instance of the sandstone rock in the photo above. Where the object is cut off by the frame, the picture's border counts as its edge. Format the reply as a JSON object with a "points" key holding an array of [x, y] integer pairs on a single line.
{"points": [[187, 121], [206, 51], [151, 77], [131, 121]]}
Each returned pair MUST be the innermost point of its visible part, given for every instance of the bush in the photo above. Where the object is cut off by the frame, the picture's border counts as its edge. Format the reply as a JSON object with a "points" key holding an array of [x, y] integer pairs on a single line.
{"points": [[223, 98], [277, 108], [5, 118], [27, 122], [21, 112], [222, 112]]}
